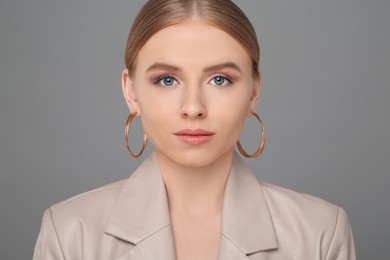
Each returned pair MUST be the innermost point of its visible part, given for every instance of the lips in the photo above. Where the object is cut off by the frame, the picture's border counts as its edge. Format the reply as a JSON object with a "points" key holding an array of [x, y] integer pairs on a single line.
{"points": [[194, 136]]}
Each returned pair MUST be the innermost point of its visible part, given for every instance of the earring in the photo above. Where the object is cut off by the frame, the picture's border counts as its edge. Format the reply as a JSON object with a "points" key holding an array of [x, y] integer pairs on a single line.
{"points": [[127, 126], [262, 144]]}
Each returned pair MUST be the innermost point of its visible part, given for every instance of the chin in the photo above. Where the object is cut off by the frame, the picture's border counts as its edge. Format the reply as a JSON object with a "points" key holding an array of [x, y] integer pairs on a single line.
{"points": [[194, 163], [194, 158]]}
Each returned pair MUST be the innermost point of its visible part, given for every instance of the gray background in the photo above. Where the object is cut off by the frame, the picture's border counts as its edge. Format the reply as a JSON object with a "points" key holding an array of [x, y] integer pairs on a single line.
{"points": [[326, 85]]}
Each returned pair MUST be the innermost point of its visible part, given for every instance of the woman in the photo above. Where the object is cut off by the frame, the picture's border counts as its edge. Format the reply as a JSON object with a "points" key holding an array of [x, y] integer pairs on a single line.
{"points": [[192, 78]]}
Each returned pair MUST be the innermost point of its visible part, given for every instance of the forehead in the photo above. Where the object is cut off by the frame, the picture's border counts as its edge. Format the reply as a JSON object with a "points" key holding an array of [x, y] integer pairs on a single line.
{"points": [[193, 44]]}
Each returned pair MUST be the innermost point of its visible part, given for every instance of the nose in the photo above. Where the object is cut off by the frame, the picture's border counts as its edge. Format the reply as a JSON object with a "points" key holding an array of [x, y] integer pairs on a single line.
{"points": [[193, 104]]}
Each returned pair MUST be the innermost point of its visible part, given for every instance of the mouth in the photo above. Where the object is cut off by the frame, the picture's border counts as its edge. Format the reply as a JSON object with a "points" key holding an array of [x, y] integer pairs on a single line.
{"points": [[194, 136]]}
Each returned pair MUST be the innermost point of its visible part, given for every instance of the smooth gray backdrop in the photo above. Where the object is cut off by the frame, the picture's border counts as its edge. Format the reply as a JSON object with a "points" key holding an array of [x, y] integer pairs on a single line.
{"points": [[325, 104]]}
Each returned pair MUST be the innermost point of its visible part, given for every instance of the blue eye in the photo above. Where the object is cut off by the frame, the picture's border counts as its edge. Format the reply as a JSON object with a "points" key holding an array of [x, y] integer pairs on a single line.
{"points": [[220, 81], [167, 81]]}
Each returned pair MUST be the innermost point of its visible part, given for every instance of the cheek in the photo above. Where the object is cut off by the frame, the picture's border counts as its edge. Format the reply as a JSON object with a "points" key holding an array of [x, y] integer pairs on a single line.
{"points": [[153, 126], [156, 115], [230, 118], [236, 124]]}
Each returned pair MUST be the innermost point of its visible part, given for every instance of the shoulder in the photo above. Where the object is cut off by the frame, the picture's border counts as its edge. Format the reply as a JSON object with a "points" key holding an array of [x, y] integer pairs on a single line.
{"points": [[295, 208], [86, 206], [304, 219], [79, 220], [282, 199], [99, 195]]}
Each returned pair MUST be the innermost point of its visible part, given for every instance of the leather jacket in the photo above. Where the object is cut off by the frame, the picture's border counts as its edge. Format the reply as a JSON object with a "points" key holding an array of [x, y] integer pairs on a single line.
{"points": [[130, 219]]}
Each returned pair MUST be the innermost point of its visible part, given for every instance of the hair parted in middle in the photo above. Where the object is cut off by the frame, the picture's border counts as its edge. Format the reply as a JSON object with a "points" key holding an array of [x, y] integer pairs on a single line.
{"points": [[156, 15]]}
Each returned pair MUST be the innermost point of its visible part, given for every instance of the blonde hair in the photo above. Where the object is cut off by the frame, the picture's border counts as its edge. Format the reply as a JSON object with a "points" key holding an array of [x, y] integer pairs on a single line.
{"points": [[223, 14]]}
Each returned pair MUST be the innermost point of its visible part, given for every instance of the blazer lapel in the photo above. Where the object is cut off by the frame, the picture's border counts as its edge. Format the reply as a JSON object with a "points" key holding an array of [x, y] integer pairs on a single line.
{"points": [[141, 215], [157, 246], [230, 251], [247, 227]]}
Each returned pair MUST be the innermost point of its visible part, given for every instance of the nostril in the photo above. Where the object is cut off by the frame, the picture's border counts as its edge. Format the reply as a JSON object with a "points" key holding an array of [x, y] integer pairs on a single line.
{"points": [[193, 112], [198, 115]]}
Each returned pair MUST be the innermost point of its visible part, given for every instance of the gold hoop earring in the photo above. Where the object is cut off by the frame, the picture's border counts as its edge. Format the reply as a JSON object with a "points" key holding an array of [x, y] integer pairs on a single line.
{"points": [[262, 144], [127, 126]]}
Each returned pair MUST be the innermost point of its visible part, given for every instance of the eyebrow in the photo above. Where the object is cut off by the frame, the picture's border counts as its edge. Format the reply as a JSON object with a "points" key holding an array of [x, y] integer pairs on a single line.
{"points": [[163, 66], [168, 67], [226, 65]]}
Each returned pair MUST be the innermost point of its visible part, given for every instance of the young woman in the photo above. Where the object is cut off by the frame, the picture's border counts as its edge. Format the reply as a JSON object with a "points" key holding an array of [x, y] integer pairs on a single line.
{"points": [[192, 78]]}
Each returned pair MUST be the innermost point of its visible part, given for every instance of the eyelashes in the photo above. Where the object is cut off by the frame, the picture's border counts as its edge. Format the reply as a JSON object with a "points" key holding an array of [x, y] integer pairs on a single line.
{"points": [[221, 81], [167, 81]]}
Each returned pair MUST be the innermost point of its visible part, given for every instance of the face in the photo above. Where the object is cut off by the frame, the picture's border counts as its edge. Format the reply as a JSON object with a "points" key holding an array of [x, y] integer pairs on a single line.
{"points": [[192, 87]]}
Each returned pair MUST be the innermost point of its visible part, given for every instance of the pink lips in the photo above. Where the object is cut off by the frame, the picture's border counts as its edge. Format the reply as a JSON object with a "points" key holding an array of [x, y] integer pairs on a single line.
{"points": [[194, 136]]}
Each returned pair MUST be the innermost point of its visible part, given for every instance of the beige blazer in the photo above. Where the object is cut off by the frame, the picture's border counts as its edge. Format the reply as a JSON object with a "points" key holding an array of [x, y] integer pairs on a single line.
{"points": [[130, 220]]}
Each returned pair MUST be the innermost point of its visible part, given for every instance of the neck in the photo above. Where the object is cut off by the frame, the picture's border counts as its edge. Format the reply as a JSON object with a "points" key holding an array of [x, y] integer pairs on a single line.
{"points": [[195, 190]]}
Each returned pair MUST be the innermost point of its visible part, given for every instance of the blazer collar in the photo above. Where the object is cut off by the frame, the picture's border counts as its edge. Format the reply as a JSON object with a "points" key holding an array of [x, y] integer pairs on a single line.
{"points": [[141, 213], [246, 220], [141, 208]]}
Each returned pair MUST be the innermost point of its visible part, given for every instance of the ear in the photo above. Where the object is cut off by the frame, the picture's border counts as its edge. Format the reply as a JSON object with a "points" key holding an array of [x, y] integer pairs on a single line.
{"points": [[255, 94], [129, 93]]}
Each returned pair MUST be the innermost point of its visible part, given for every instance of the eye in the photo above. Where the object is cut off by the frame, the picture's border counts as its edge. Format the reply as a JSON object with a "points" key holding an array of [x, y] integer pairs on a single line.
{"points": [[166, 81], [220, 81]]}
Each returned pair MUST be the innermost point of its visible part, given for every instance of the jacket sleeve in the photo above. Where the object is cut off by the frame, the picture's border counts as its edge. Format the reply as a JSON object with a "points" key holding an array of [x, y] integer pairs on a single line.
{"points": [[342, 245], [48, 245]]}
